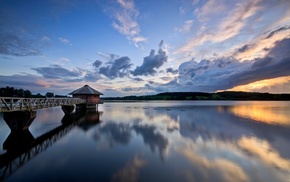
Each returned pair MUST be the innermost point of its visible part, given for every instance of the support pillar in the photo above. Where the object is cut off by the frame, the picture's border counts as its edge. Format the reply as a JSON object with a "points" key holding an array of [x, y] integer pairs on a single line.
{"points": [[68, 109], [19, 120], [91, 106], [81, 108]]}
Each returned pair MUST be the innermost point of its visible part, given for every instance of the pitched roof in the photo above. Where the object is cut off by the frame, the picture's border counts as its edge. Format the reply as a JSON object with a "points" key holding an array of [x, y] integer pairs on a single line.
{"points": [[85, 90]]}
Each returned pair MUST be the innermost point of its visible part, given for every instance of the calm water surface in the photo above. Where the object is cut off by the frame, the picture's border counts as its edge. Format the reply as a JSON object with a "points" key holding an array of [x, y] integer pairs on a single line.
{"points": [[156, 141]]}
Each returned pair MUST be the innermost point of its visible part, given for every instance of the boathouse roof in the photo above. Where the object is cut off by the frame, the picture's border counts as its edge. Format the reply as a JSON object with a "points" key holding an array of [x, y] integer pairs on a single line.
{"points": [[86, 90]]}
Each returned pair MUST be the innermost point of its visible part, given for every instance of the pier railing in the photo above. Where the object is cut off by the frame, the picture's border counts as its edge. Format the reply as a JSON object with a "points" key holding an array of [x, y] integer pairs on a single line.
{"points": [[9, 104]]}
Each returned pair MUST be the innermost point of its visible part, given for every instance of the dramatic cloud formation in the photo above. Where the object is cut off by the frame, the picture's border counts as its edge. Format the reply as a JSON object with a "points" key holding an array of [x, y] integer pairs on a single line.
{"points": [[151, 62], [225, 73], [117, 68], [230, 26]]}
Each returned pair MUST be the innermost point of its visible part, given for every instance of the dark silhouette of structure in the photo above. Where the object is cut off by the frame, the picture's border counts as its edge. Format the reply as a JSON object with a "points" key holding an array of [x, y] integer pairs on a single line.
{"points": [[90, 95], [19, 113], [21, 146]]}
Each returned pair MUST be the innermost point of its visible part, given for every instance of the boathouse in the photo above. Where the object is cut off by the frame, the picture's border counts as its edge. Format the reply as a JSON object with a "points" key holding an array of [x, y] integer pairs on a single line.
{"points": [[89, 94]]}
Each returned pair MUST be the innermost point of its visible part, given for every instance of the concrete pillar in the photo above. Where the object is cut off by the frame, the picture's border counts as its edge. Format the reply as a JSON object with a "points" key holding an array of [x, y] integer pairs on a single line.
{"points": [[68, 109], [19, 120]]}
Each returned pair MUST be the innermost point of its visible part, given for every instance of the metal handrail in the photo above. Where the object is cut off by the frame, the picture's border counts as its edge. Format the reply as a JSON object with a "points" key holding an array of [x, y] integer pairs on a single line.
{"points": [[9, 104]]}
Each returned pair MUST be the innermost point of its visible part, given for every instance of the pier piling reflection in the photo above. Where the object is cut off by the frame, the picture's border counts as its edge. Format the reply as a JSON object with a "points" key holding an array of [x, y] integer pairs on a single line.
{"points": [[21, 146]]}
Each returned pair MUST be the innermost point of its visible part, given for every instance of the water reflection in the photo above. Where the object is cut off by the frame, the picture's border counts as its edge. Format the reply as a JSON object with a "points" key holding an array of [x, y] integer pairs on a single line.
{"points": [[226, 144], [21, 146], [170, 141], [121, 133], [264, 114], [130, 171]]}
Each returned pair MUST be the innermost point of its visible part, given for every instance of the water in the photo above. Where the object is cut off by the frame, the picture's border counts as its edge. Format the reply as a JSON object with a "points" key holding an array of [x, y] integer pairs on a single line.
{"points": [[161, 141]]}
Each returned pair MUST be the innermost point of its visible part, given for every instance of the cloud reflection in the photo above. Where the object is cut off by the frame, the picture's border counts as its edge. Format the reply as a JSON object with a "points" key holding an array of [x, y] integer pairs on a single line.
{"points": [[210, 143], [130, 171], [217, 169], [263, 114], [117, 133], [152, 138], [265, 152], [121, 133]]}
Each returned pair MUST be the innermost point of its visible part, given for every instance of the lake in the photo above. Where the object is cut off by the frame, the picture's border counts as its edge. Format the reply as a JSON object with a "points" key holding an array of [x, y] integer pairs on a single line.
{"points": [[154, 141]]}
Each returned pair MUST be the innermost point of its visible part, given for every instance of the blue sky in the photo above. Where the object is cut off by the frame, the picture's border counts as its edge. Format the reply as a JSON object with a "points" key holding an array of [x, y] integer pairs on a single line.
{"points": [[127, 47]]}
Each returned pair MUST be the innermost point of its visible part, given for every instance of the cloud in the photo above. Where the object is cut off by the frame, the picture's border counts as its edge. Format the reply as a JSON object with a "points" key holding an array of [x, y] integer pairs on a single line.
{"points": [[132, 89], [138, 79], [18, 44], [125, 20], [228, 72], [171, 70], [151, 63], [56, 71], [34, 83], [274, 85], [223, 26], [97, 63], [64, 74], [117, 68], [15, 37], [108, 57], [186, 27], [261, 46], [24, 81], [64, 41], [64, 60], [244, 48], [45, 39], [210, 9], [233, 72], [277, 30]]}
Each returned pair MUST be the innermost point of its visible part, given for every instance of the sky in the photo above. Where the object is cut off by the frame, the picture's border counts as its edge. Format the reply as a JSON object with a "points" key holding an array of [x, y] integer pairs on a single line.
{"points": [[136, 47]]}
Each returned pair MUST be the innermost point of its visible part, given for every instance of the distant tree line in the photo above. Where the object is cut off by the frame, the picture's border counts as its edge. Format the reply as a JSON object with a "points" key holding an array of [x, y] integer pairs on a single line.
{"points": [[12, 92], [227, 95]]}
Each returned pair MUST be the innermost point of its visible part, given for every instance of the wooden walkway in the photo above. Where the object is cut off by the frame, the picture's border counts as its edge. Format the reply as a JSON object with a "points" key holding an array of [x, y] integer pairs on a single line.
{"points": [[10, 104]]}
